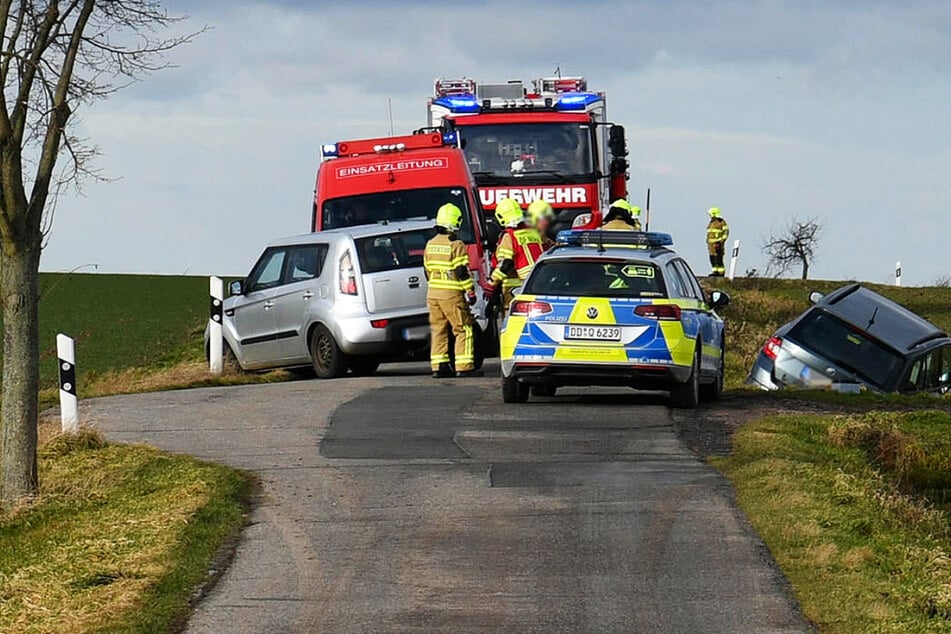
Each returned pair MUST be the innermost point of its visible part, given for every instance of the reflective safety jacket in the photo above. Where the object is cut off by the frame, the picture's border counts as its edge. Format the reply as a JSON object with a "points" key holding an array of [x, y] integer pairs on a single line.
{"points": [[447, 267], [717, 231], [522, 247], [619, 225]]}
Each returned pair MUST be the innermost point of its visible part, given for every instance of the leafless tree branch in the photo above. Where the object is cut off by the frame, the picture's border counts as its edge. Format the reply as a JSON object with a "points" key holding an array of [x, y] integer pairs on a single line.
{"points": [[795, 245]]}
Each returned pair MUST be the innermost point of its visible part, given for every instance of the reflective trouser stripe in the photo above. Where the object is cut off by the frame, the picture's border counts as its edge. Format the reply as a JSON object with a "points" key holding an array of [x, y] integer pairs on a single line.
{"points": [[451, 314]]}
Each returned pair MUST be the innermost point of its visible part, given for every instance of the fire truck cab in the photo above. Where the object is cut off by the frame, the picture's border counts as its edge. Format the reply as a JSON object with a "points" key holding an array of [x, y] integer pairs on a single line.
{"points": [[553, 142], [370, 181]]}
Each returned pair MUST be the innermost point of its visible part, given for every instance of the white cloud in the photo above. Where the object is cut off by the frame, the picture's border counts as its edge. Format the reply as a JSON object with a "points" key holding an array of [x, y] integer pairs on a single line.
{"points": [[845, 119]]}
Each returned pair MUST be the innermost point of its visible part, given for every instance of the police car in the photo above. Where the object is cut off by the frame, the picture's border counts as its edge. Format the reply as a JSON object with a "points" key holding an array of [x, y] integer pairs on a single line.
{"points": [[616, 308]]}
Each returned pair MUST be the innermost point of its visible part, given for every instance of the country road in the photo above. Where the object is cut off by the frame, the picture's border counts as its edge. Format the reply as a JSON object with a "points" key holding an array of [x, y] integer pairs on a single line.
{"points": [[401, 504]]}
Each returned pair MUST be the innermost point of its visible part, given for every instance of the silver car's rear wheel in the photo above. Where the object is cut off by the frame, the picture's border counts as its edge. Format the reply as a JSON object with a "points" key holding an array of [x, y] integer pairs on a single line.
{"points": [[329, 361]]}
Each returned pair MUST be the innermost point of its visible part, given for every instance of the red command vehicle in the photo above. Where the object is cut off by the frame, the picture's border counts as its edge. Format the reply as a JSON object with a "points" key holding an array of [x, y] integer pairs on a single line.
{"points": [[552, 143], [370, 181]]}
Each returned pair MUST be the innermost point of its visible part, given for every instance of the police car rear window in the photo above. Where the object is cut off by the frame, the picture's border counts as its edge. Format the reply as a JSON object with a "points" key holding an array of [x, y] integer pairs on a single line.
{"points": [[595, 278], [393, 251]]}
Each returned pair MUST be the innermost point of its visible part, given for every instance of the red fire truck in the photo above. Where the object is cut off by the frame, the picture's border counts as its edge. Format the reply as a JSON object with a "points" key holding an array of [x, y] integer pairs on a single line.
{"points": [[553, 142], [369, 181]]}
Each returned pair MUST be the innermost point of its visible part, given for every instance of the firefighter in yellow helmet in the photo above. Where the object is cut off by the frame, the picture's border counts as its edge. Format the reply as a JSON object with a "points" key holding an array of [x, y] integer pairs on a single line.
{"points": [[542, 218], [622, 216], [451, 292], [717, 233], [519, 248]]}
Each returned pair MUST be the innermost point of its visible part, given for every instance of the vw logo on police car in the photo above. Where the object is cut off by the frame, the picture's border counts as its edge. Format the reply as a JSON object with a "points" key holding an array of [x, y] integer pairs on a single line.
{"points": [[592, 313]]}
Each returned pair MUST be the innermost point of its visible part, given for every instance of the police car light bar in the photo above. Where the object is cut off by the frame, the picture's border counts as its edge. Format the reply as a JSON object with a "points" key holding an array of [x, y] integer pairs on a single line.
{"points": [[597, 238], [388, 144]]}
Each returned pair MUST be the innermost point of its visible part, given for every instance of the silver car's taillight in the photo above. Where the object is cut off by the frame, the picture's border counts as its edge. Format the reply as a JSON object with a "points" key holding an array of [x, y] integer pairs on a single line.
{"points": [[347, 275]]}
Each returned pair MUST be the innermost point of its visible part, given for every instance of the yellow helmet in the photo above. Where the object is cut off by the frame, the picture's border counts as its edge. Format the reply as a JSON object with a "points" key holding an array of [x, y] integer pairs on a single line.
{"points": [[620, 203], [449, 217], [635, 211], [714, 212], [538, 210], [509, 213]]}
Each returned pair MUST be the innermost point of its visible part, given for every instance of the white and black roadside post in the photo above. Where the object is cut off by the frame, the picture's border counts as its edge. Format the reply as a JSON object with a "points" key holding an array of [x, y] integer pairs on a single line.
{"points": [[215, 351], [68, 402], [898, 273], [736, 256]]}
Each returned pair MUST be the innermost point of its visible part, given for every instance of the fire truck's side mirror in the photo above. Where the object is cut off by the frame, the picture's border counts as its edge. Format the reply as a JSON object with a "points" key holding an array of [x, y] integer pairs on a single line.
{"points": [[616, 141]]}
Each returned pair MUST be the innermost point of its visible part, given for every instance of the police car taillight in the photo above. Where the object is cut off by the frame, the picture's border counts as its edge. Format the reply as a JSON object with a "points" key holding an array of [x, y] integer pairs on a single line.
{"points": [[347, 276], [530, 309], [772, 347], [659, 312]]}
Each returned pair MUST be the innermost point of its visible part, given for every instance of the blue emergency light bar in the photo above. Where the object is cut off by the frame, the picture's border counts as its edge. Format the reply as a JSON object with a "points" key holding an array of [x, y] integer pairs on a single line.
{"points": [[460, 104], [597, 238], [329, 150], [576, 100]]}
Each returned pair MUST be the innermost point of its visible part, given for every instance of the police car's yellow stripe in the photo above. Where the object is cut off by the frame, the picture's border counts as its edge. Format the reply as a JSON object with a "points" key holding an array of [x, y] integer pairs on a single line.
{"points": [[605, 314]]}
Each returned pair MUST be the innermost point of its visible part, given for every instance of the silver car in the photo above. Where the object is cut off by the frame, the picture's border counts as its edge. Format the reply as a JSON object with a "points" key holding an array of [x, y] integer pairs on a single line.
{"points": [[337, 300], [854, 337]]}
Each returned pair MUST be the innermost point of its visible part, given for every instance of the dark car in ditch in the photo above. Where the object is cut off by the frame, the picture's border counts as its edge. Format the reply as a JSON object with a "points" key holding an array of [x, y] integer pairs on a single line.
{"points": [[854, 337]]}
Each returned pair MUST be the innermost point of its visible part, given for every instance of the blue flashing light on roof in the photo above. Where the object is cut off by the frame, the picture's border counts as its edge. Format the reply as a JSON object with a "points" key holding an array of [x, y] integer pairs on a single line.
{"points": [[458, 104], [329, 150], [576, 100], [596, 238], [450, 138]]}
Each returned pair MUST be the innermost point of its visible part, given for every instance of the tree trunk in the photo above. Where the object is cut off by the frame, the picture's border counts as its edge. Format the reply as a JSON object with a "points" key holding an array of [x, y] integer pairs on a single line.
{"points": [[19, 291], [805, 269]]}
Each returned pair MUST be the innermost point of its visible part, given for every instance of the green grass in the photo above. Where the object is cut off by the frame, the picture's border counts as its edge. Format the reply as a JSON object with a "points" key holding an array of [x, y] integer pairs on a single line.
{"points": [[760, 305], [121, 321], [119, 539], [856, 511]]}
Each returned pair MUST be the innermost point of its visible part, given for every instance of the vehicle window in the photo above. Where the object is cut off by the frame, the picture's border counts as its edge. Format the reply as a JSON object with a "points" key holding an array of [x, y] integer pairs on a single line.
{"points": [[305, 262], [394, 251], [595, 278], [848, 347], [368, 209], [267, 272], [515, 149], [678, 288], [691, 280], [930, 371]]}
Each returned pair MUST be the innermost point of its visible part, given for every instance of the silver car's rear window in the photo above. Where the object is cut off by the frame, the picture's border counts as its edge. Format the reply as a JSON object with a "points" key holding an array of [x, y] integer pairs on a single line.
{"points": [[847, 346], [392, 251], [595, 278]]}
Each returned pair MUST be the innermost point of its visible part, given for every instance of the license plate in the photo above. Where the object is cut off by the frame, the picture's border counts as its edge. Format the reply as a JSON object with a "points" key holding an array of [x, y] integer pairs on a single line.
{"points": [[593, 333], [416, 333]]}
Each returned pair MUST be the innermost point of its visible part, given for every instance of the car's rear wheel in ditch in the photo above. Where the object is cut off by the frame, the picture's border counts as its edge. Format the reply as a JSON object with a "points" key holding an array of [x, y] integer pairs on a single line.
{"points": [[513, 391], [546, 391], [363, 366], [687, 395], [329, 361], [713, 391]]}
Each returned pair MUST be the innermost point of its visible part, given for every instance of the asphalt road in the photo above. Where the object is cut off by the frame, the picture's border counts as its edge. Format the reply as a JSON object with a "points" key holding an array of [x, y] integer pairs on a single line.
{"points": [[399, 503]]}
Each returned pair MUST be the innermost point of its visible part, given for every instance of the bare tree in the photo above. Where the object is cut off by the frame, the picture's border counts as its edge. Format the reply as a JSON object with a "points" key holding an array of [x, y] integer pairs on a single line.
{"points": [[57, 55], [795, 245]]}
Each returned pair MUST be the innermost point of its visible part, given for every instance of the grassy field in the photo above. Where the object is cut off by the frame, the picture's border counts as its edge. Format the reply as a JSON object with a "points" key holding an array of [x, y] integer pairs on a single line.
{"points": [[119, 539], [856, 509], [759, 306], [121, 321]]}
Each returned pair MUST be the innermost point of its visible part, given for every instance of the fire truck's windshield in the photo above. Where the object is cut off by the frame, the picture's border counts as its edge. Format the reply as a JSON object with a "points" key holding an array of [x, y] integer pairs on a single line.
{"points": [[368, 209], [518, 150]]}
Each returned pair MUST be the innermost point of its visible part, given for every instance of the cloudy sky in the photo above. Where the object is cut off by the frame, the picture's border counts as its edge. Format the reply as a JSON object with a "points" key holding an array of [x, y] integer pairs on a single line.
{"points": [[768, 109]]}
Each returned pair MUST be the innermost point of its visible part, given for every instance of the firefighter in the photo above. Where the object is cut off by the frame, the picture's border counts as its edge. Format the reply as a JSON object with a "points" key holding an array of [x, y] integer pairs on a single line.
{"points": [[451, 292], [622, 216], [717, 233], [542, 217], [519, 248]]}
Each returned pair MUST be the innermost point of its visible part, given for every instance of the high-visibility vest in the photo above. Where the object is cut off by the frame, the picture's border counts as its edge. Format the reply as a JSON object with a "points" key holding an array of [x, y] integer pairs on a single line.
{"points": [[523, 246], [442, 258]]}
